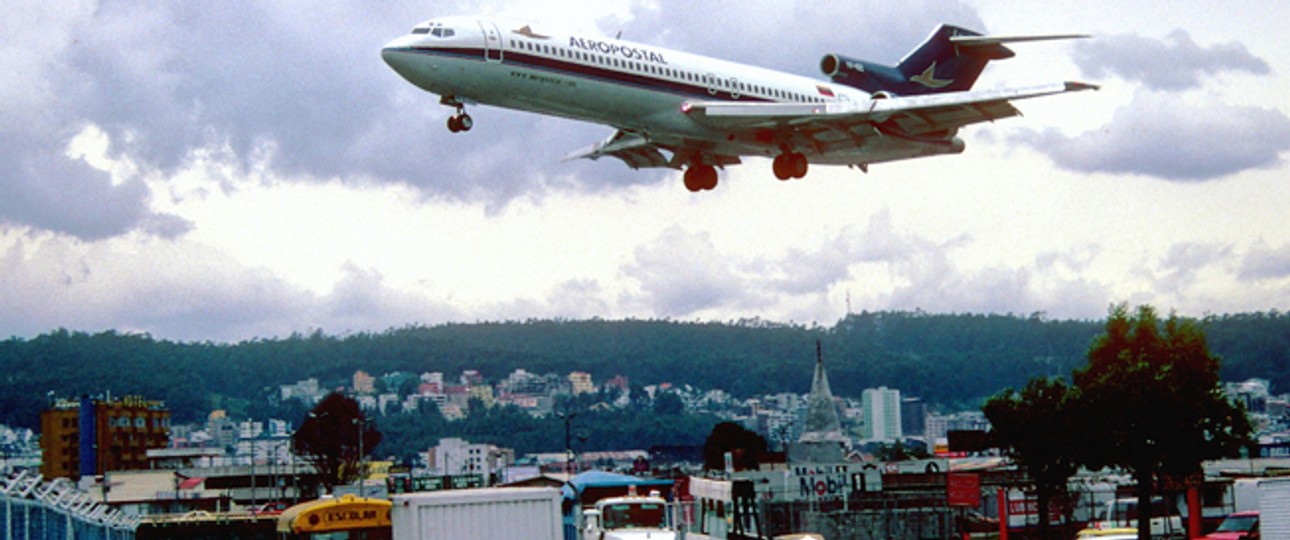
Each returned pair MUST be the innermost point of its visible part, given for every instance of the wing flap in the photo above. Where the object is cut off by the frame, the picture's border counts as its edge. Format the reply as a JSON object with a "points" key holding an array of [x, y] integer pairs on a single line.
{"points": [[925, 113], [633, 149]]}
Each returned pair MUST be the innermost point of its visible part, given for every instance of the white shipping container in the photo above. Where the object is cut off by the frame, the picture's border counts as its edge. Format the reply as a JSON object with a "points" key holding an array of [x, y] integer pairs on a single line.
{"points": [[478, 514], [1274, 508]]}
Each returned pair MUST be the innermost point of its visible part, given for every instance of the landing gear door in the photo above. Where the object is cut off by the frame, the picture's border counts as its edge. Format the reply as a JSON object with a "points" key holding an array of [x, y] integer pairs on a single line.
{"points": [[492, 41]]}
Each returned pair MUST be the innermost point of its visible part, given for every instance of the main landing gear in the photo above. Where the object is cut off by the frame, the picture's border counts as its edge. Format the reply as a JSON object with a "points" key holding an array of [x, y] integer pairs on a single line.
{"points": [[700, 177], [790, 165]]}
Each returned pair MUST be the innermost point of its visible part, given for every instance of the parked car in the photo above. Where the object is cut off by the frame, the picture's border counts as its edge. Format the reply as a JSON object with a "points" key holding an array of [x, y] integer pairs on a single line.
{"points": [[1240, 525]]}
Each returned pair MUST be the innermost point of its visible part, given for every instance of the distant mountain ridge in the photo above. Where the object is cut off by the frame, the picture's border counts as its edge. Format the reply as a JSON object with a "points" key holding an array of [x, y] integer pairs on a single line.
{"points": [[950, 359]]}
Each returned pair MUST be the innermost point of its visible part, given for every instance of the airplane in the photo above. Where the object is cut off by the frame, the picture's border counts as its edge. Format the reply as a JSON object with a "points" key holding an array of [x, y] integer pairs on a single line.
{"points": [[684, 111]]}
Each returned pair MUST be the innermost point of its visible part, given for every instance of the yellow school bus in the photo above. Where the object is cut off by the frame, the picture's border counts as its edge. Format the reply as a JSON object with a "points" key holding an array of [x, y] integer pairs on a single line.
{"points": [[344, 518]]}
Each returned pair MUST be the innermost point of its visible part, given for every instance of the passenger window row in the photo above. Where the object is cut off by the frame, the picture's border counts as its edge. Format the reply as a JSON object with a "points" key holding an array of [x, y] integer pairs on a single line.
{"points": [[707, 80]]}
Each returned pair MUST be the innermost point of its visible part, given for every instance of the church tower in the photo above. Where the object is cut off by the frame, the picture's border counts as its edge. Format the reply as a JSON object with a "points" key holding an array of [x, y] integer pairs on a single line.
{"points": [[822, 440]]}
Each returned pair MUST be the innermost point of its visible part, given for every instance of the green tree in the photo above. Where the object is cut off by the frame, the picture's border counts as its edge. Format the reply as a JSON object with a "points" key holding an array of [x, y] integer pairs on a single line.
{"points": [[335, 437], [1038, 428], [1160, 412], [668, 404]]}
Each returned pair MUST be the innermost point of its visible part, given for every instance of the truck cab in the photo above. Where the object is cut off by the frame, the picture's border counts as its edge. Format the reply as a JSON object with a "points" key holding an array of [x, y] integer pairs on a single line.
{"points": [[629, 518]]}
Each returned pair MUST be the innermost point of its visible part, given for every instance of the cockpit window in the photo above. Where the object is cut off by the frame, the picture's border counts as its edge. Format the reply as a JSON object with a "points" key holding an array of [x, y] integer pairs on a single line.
{"points": [[435, 29]]}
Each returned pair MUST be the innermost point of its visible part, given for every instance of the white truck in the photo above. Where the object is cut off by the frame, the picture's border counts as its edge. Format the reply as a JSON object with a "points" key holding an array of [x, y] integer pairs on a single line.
{"points": [[478, 514], [629, 518], [1274, 508]]}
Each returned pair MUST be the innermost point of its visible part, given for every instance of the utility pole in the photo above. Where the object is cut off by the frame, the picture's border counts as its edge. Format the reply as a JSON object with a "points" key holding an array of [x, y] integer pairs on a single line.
{"points": [[253, 501], [568, 442]]}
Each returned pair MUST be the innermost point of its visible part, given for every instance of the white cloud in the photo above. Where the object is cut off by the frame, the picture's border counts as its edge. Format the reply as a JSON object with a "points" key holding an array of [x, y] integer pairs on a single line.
{"points": [[1263, 262], [682, 272], [1176, 63], [280, 178], [1171, 137]]}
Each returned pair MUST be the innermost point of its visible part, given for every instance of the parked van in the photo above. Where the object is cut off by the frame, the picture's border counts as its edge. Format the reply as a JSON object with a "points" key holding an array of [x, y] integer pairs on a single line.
{"points": [[1166, 522]]}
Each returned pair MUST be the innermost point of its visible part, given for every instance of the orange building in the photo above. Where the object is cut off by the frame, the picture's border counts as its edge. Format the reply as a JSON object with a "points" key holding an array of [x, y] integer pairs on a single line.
{"points": [[90, 436]]}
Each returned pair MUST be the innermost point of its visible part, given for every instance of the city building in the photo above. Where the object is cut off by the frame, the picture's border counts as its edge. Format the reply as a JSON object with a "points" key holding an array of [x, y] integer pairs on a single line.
{"points": [[580, 383], [882, 420], [364, 383], [483, 393], [223, 431], [913, 416], [90, 437], [471, 377], [307, 391], [939, 425], [431, 383], [455, 457]]}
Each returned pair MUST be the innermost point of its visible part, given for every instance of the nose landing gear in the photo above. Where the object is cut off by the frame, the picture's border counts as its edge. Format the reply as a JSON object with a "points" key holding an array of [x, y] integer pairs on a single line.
{"points": [[460, 121]]}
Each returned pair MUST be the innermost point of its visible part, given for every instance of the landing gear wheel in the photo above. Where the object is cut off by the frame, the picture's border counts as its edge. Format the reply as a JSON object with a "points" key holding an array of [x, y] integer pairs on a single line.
{"points": [[700, 178], [708, 178], [460, 122], [798, 165], [781, 167]]}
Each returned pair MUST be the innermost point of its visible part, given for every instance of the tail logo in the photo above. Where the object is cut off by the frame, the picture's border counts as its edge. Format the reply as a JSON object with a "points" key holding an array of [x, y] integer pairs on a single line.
{"points": [[928, 78]]}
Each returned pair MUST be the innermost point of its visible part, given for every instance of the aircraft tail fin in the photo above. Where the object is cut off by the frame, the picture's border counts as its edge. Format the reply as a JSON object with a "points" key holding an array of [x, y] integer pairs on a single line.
{"points": [[949, 60]]}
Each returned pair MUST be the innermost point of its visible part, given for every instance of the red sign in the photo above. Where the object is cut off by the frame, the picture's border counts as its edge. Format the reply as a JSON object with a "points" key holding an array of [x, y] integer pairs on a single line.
{"points": [[964, 489]]}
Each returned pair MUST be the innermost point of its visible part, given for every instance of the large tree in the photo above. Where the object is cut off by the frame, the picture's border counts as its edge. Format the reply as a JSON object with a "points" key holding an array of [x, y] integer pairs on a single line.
{"points": [[1038, 428], [1154, 390], [335, 437], [746, 447]]}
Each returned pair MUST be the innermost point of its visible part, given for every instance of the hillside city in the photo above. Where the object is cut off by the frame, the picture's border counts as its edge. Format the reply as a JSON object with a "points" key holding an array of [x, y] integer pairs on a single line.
{"points": [[822, 461], [879, 415]]}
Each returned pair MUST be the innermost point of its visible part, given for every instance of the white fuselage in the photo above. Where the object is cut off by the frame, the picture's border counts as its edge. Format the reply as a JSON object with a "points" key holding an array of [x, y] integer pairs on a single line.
{"points": [[633, 87]]}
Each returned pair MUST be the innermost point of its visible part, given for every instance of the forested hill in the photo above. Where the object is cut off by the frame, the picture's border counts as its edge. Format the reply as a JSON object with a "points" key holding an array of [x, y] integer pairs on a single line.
{"points": [[953, 360]]}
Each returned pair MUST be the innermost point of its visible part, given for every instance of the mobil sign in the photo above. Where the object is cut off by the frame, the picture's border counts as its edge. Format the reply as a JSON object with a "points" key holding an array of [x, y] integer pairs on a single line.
{"points": [[826, 481]]}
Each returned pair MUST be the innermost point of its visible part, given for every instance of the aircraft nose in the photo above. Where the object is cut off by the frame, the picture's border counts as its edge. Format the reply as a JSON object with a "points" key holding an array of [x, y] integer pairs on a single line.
{"points": [[394, 54]]}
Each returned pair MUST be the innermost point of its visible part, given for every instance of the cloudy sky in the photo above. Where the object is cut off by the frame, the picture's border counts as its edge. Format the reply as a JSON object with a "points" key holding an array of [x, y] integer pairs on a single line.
{"points": [[230, 170]]}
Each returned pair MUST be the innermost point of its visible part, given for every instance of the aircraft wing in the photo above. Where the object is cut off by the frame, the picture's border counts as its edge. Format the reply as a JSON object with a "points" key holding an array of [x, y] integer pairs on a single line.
{"points": [[911, 116], [635, 150]]}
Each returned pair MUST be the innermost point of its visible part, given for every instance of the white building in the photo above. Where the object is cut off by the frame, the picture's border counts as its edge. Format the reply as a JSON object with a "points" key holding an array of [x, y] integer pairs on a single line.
{"points": [[306, 391], [939, 425], [580, 382], [455, 456], [881, 414]]}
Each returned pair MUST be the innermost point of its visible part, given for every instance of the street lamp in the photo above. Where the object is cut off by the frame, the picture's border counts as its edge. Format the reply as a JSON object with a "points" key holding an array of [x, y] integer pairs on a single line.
{"points": [[362, 469]]}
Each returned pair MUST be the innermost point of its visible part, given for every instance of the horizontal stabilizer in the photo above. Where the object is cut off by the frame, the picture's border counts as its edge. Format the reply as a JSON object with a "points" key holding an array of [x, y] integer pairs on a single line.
{"points": [[981, 41]]}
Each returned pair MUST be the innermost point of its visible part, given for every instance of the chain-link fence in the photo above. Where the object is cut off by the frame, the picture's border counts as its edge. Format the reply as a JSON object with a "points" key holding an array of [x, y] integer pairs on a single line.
{"points": [[871, 522], [887, 518], [33, 509]]}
